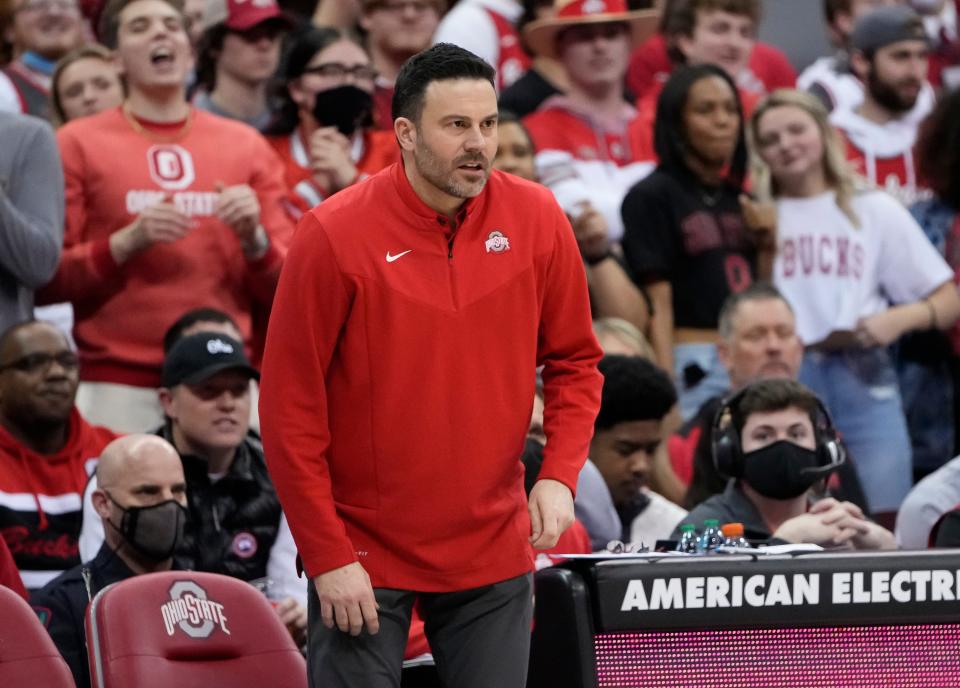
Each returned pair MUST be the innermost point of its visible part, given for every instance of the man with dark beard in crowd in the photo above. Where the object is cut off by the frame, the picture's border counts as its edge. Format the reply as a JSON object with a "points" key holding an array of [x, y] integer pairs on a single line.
{"points": [[890, 56]]}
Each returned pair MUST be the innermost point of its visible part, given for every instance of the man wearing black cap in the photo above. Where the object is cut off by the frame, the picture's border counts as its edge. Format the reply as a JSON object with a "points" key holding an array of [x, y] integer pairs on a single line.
{"points": [[235, 517], [235, 526]]}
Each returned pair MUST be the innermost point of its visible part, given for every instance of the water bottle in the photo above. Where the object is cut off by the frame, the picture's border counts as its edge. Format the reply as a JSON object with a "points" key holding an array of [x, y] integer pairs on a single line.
{"points": [[733, 535], [688, 539], [711, 538]]}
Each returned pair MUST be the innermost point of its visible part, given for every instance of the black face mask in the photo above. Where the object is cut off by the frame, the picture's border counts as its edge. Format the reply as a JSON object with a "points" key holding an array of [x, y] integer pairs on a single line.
{"points": [[153, 531], [347, 108], [782, 470]]}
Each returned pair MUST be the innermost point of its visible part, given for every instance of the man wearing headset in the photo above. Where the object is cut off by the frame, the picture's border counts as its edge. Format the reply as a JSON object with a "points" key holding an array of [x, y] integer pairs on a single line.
{"points": [[775, 441]]}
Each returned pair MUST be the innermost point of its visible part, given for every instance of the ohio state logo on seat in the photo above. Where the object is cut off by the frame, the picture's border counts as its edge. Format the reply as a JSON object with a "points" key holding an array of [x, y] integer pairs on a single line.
{"points": [[171, 166], [190, 611]]}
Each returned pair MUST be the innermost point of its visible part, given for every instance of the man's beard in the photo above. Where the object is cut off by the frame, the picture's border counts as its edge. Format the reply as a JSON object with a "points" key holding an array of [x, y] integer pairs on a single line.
{"points": [[887, 96], [440, 174]]}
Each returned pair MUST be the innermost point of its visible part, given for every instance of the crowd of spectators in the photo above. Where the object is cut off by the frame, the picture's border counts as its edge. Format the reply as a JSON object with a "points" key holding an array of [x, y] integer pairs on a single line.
{"points": [[740, 226]]}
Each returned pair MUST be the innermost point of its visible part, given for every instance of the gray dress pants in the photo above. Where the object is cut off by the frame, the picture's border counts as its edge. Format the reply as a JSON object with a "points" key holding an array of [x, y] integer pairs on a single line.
{"points": [[480, 638]]}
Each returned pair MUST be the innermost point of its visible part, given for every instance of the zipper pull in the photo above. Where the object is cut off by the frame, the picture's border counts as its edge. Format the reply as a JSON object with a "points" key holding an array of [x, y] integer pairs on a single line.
{"points": [[85, 573]]}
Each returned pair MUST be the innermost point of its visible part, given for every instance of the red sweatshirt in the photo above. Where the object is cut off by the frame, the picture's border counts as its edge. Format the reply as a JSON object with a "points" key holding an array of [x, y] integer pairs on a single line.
{"points": [[398, 379], [112, 173], [40, 499], [767, 69]]}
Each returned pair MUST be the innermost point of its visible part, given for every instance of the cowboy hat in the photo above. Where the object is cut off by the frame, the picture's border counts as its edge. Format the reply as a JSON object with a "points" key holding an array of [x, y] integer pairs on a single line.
{"points": [[540, 35]]}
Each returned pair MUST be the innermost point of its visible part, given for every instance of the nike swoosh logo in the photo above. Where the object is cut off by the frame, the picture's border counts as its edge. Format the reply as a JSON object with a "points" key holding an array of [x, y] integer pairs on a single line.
{"points": [[390, 258]]}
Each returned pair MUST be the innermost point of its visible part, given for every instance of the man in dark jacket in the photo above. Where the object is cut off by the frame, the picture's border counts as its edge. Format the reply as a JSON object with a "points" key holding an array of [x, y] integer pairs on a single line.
{"points": [[142, 497]]}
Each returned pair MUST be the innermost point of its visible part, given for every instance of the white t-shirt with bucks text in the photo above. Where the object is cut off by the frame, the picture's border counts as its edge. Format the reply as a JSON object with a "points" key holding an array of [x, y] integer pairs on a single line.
{"points": [[834, 273]]}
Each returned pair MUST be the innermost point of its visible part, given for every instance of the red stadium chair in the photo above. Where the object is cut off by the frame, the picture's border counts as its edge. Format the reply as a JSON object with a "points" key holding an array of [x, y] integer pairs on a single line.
{"points": [[190, 630], [28, 657]]}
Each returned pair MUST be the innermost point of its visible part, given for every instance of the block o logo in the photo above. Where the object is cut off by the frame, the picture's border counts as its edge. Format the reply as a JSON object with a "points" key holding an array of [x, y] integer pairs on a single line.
{"points": [[171, 167]]}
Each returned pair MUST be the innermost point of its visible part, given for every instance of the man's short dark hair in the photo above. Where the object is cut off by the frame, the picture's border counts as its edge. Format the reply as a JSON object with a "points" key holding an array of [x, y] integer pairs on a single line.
{"points": [[758, 291], [191, 318], [633, 389], [110, 19], [440, 62], [765, 396]]}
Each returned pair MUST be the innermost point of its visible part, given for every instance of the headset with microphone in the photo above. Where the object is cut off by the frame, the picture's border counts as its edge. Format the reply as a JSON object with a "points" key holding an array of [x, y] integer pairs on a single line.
{"points": [[728, 454]]}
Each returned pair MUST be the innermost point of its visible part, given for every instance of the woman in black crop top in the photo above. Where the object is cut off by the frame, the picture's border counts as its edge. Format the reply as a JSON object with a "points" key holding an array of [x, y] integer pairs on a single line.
{"points": [[686, 238]]}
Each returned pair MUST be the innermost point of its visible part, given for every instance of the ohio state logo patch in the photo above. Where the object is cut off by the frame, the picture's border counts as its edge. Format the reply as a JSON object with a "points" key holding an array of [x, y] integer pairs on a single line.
{"points": [[171, 166], [496, 242], [218, 346], [190, 611], [244, 545]]}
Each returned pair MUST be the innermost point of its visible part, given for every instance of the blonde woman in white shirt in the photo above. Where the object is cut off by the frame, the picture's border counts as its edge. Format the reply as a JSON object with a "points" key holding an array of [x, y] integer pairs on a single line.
{"points": [[859, 274]]}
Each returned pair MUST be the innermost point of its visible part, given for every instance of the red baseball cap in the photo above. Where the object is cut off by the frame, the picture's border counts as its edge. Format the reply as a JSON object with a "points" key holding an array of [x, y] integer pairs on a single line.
{"points": [[241, 15]]}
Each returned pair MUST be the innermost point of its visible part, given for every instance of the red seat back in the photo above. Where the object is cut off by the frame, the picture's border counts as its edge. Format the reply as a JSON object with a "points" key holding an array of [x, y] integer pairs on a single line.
{"points": [[190, 630], [28, 657]]}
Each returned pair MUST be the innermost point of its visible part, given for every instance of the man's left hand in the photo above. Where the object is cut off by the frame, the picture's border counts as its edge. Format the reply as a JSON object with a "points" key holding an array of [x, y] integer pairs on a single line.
{"points": [[293, 615], [551, 512], [239, 209]]}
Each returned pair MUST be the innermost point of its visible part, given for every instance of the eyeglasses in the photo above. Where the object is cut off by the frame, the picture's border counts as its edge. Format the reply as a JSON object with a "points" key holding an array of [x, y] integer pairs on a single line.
{"points": [[417, 6], [34, 363], [337, 70], [46, 6]]}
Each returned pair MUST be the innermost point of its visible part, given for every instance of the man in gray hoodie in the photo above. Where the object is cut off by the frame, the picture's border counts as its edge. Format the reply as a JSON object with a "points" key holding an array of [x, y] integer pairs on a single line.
{"points": [[31, 213]]}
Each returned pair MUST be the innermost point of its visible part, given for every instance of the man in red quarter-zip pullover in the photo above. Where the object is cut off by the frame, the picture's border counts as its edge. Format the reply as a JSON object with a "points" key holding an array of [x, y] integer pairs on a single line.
{"points": [[397, 386]]}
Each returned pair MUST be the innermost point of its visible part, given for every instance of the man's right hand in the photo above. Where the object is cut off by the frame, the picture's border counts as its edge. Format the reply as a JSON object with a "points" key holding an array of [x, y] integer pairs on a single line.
{"points": [[347, 600], [161, 223]]}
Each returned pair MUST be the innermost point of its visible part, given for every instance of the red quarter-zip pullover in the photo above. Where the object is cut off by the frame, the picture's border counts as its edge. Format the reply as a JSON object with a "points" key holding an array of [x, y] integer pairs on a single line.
{"points": [[398, 379]]}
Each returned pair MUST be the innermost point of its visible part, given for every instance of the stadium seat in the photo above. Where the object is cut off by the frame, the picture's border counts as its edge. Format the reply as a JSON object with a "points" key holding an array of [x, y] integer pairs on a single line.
{"points": [[190, 630], [28, 657]]}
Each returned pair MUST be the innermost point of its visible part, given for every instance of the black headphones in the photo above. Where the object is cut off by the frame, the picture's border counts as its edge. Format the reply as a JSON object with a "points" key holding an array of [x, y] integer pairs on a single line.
{"points": [[728, 455]]}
